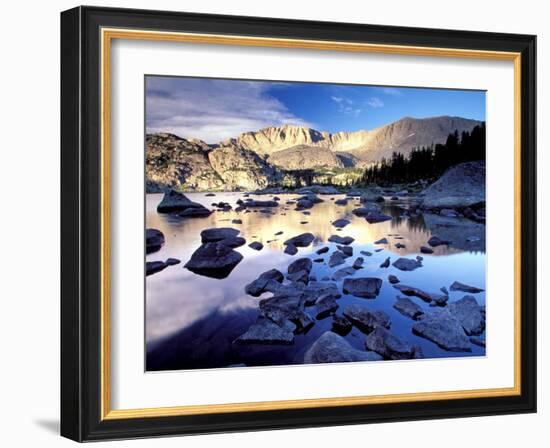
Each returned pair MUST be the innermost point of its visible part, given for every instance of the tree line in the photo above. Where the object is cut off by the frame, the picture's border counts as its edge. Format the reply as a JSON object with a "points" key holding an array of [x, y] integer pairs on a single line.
{"points": [[428, 163]]}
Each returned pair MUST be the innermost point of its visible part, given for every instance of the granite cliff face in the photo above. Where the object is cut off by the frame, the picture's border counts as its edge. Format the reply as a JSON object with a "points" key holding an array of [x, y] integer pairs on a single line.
{"points": [[257, 159]]}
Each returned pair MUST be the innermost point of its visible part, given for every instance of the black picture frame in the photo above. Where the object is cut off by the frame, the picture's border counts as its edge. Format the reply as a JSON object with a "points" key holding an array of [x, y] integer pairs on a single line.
{"points": [[81, 208]]}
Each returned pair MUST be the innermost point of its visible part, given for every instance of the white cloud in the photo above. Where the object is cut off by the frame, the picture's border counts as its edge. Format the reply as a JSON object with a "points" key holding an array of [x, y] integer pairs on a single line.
{"points": [[392, 91], [375, 102], [345, 105], [213, 110]]}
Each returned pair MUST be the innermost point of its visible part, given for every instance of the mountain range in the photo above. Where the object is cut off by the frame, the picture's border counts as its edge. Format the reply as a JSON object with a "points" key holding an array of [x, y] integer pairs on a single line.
{"points": [[273, 155]]}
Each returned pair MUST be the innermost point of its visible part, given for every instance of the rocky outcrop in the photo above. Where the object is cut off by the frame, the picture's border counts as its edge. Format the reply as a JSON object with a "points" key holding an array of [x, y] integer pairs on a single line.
{"points": [[389, 346], [240, 168], [172, 162], [215, 260], [460, 186], [442, 328], [333, 348]]}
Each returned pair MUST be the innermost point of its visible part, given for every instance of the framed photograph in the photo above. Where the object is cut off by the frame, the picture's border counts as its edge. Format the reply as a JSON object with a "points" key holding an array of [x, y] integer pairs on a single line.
{"points": [[276, 224]]}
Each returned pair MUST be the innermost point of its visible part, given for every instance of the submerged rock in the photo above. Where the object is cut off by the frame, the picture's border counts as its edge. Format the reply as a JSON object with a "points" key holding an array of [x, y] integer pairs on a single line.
{"points": [[302, 240], [406, 264], [366, 319], [333, 348], [341, 325], [345, 240], [341, 273], [470, 315], [214, 260], [154, 240], [457, 286], [265, 283], [346, 250], [265, 331], [152, 267], [366, 287], [408, 308], [195, 212], [389, 346], [442, 328]]}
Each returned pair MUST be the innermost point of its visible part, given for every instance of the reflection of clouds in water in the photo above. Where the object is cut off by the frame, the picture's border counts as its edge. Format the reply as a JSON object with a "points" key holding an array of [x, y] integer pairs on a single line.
{"points": [[176, 298]]}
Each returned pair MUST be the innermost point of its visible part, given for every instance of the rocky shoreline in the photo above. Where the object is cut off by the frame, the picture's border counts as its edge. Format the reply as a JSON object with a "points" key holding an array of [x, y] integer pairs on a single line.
{"points": [[293, 301]]}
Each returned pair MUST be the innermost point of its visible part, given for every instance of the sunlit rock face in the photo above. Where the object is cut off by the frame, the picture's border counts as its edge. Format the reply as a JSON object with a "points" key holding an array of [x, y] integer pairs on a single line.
{"points": [[269, 156], [241, 168], [174, 162]]}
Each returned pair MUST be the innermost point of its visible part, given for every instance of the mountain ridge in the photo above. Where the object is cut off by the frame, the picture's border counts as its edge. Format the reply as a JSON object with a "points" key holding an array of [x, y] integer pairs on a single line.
{"points": [[256, 159]]}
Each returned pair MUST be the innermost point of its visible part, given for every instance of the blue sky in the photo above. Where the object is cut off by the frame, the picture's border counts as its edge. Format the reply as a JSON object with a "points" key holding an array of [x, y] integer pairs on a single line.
{"points": [[213, 109]]}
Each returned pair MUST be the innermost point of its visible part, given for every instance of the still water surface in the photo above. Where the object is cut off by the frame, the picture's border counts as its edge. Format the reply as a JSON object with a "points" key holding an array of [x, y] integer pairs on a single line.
{"points": [[191, 320]]}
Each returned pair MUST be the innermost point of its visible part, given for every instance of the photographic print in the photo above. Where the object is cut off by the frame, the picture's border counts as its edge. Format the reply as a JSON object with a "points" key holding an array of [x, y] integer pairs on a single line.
{"points": [[302, 223]]}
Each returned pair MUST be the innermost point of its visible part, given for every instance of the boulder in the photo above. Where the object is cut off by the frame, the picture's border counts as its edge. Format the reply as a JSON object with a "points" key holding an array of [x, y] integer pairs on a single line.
{"points": [[218, 233], [366, 319], [406, 264], [385, 263], [172, 261], [265, 331], [417, 292], [287, 307], [302, 240], [174, 201], [256, 245], [408, 308], [291, 249], [375, 217], [393, 279], [457, 286], [299, 277], [333, 348], [315, 289], [301, 264], [381, 241], [323, 250], [358, 263], [214, 260], [442, 328], [340, 223], [366, 287], [152, 267], [154, 240], [372, 194], [336, 258], [345, 240], [325, 306], [236, 221], [365, 210], [260, 204], [342, 201], [470, 315], [234, 242], [263, 282], [460, 186], [366, 253], [426, 250], [341, 325], [389, 346]]}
